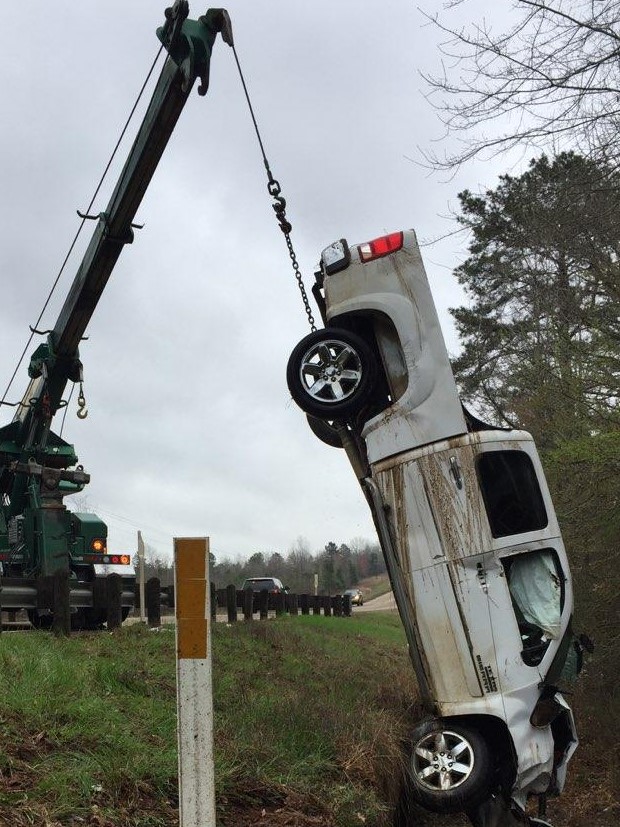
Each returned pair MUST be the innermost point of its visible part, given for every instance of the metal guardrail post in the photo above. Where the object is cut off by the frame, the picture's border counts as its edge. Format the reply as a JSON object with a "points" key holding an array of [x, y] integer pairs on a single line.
{"points": [[279, 600], [263, 604], [213, 601], [248, 604], [231, 603]]}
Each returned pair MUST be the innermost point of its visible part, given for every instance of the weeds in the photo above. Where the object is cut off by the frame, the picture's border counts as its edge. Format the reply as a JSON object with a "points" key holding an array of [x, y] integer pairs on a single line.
{"points": [[308, 712]]}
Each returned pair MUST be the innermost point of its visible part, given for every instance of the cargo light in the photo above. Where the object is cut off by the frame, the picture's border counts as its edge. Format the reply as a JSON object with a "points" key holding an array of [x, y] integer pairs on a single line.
{"points": [[336, 257], [379, 247]]}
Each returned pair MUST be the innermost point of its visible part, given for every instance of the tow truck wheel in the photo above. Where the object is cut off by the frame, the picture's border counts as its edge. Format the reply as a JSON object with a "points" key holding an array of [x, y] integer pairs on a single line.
{"points": [[40, 621], [331, 374], [451, 768]]}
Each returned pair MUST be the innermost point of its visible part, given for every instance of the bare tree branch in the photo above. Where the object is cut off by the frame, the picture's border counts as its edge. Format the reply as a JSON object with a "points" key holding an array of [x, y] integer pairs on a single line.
{"points": [[550, 81]]}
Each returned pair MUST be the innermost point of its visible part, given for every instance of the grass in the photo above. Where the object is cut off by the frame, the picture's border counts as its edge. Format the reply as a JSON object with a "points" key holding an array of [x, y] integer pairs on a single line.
{"points": [[309, 713]]}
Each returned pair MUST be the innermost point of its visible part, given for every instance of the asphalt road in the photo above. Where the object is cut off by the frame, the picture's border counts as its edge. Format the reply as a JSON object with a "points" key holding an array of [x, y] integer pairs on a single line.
{"points": [[383, 603]]}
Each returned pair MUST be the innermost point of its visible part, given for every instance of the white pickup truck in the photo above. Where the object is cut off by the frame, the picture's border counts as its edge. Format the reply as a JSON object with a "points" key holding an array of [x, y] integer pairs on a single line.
{"points": [[467, 527]]}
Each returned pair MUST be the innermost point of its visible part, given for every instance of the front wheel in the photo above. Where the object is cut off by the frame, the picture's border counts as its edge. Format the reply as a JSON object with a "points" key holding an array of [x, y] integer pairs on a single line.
{"points": [[451, 768], [331, 374]]}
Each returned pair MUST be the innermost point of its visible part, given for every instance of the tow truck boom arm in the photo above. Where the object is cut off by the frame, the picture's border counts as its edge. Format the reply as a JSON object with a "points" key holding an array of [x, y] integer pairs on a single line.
{"points": [[189, 44]]}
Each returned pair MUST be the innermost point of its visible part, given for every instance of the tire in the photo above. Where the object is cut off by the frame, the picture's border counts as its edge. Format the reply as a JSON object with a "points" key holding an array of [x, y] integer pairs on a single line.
{"points": [[331, 374], [325, 431], [451, 768], [40, 621]]}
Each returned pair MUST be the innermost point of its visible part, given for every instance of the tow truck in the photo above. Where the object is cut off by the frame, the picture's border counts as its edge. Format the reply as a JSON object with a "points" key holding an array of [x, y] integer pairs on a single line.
{"points": [[39, 536]]}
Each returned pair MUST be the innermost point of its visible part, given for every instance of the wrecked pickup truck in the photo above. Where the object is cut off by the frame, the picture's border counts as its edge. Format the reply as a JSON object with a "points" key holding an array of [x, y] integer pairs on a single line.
{"points": [[467, 527]]}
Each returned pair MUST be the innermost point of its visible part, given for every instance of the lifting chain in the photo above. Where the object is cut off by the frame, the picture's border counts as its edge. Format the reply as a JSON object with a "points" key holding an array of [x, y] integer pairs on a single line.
{"points": [[279, 204], [279, 207]]}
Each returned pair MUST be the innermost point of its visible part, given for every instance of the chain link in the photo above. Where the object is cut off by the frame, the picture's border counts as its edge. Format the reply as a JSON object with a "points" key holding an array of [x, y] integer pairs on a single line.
{"points": [[300, 283], [279, 207]]}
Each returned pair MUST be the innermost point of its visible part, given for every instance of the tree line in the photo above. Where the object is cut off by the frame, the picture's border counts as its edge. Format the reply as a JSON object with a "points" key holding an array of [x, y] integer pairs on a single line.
{"points": [[337, 567]]}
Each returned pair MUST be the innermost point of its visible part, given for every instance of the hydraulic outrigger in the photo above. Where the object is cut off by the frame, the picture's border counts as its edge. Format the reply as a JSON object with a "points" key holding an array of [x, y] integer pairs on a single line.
{"points": [[39, 536]]}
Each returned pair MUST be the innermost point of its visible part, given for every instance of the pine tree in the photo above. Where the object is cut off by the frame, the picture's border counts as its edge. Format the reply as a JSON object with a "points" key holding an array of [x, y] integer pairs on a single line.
{"points": [[541, 336]]}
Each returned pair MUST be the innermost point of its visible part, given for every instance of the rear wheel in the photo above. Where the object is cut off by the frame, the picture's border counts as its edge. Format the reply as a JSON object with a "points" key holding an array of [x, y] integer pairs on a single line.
{"points": [[331, 374], [451, 768]]}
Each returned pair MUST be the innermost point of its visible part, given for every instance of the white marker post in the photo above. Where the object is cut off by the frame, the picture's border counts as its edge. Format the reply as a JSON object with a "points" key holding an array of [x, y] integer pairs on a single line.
{"points": [[141, 577], [194, 683]]}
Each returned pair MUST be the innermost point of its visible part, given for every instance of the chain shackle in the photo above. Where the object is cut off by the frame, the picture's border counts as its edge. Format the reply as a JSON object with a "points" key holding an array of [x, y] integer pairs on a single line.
{"points": [[274, 187]]}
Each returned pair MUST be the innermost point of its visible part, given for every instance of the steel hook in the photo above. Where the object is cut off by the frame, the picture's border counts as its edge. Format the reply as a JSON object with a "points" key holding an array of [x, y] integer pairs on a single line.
{"points": [[82, 411]]}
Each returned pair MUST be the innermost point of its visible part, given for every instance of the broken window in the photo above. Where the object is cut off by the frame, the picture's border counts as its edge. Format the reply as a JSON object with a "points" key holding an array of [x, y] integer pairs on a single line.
{"points": [[536, 584], [511, 493]]}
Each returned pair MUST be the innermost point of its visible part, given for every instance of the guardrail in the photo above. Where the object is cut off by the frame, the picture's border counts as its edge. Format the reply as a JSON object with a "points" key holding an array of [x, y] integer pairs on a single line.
{"points": [[279, 603], [112, 600]]}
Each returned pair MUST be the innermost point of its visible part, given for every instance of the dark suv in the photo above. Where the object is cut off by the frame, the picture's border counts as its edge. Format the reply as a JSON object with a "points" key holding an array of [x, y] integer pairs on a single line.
{"points": [[262, 584]]}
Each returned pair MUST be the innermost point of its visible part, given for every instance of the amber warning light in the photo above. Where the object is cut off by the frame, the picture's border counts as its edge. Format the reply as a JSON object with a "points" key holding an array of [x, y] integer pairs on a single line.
{"points": [[380, 246]]}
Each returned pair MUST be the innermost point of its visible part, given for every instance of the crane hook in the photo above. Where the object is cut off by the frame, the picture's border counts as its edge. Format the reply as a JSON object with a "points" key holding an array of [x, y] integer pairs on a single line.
{"points": [[82, 412]]}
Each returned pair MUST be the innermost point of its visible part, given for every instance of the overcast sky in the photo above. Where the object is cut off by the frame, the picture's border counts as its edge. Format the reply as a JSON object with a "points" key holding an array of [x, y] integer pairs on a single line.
{"points": [[191, 430]]}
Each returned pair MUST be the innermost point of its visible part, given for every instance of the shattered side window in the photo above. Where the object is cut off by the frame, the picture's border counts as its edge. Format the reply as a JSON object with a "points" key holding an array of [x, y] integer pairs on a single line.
{"points": [[536, 584], [511, 493]]}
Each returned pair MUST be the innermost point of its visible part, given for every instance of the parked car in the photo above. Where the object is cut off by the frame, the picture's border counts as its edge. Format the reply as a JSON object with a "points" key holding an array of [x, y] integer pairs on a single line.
{"points": [[467, 528], [357, 598], [262, 584]]}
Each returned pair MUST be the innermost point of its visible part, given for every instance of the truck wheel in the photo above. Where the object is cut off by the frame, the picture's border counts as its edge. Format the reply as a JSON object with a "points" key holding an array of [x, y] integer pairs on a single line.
{"points": [[451, 768], [40, 621], [325, 431], [331, 374]]}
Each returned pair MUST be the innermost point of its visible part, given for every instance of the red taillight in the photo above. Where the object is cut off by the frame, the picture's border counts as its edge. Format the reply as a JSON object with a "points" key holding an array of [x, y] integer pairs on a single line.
{"points": [[380, 246]]}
